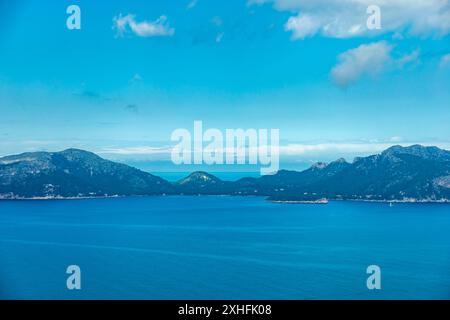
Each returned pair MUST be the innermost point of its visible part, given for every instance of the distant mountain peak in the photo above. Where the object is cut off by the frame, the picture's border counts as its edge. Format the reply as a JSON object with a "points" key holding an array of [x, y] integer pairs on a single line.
{"points": [[73, 173], [417, 150], [319, 165], [200, 177], [76, 154], [75, 150], [341, 160]]}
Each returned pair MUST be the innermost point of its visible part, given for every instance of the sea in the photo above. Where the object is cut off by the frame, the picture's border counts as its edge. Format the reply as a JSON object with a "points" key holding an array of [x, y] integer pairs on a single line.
{"points": [[223, 247]]}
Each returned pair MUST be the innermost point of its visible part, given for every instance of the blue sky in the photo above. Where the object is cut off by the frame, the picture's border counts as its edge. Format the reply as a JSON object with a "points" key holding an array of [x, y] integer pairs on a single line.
{"points": [[137, 70]]}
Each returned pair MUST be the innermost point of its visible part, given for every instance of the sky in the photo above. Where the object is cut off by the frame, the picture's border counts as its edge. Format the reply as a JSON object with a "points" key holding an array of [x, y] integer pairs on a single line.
{"points": [[138, 70]]}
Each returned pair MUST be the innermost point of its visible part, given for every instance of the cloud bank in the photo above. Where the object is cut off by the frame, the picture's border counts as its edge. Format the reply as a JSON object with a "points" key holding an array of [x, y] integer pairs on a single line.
{"points": [[347, 18], [288, 150]]}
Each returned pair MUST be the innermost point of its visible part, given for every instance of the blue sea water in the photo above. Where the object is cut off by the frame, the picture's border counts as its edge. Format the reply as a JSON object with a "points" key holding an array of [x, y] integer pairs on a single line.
{"points": [[222, 248]]}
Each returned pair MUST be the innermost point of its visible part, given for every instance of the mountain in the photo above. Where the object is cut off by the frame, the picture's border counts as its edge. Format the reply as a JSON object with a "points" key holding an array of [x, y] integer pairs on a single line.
{"points": [[73, 173], [414, 173], [202, 183], [398, 173]]}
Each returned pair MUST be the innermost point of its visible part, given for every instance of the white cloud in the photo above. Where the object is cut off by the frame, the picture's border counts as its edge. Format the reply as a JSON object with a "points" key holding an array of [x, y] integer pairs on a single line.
{"points": [[157, 28], [299, 152], [367, 59], [411, 58], [445, 60], [141, 150], [302, 26], [347, 18], [192, 4], [305, 149], [302, 150], [396, 139]]}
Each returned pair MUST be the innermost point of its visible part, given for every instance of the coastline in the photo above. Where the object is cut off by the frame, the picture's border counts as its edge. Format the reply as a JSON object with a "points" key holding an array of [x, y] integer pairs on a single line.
{"points": [[321, 201]]}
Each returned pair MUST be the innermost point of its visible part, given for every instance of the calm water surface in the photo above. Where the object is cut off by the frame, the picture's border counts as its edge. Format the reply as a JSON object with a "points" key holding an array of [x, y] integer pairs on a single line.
{"points": [[222, 248]]}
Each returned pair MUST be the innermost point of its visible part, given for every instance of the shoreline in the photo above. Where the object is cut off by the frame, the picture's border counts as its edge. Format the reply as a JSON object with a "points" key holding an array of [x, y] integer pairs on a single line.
{"points": [[319, 201]]}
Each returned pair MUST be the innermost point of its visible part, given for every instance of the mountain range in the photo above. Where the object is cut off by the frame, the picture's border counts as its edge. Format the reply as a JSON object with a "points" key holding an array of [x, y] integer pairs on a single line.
{"points": [[414, 173]]}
